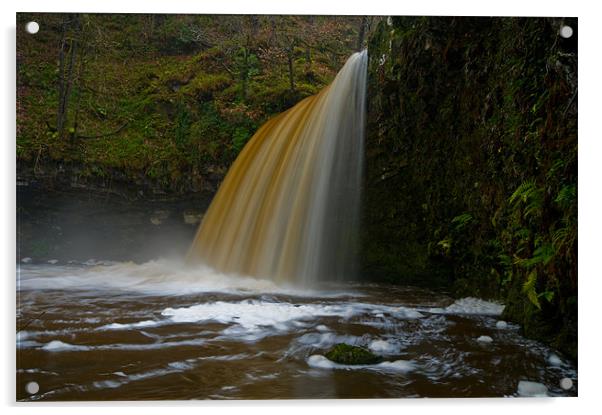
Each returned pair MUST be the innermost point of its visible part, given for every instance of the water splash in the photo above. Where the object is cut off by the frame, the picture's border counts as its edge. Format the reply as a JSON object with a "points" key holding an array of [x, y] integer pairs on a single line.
{"points": [[288, 209]]}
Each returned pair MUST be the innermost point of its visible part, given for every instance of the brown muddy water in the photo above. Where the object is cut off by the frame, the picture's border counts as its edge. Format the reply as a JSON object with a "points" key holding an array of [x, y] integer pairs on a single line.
{"points": [[159, 330]]}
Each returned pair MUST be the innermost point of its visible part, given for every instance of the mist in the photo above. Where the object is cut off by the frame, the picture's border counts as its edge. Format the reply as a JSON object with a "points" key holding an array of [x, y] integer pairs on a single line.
{"points": [[82, 225]]}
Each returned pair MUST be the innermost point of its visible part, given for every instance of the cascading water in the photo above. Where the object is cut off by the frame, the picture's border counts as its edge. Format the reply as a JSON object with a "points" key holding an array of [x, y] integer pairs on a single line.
{"points": [[288, 209]]}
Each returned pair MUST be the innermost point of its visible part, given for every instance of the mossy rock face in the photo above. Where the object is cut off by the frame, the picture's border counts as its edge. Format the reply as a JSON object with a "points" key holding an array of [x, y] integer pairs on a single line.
{"points": [[351, 355]]}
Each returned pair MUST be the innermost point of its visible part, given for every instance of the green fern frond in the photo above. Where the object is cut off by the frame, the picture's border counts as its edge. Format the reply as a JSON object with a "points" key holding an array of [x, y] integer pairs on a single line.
{"points": [[462, 220], [523, 191], [543, 254], [529, 289], [531, 195], [566, 196], [560, 237]]}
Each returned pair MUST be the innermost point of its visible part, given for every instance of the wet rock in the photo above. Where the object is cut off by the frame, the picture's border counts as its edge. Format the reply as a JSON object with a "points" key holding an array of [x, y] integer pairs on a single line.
{"points": [[26, 260], [53, 261], [531, 389], [351, 355]]}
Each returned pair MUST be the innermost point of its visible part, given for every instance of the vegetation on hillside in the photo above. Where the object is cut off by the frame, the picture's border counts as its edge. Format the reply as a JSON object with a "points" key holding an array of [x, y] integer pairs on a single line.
{"points": [[173, 98]]}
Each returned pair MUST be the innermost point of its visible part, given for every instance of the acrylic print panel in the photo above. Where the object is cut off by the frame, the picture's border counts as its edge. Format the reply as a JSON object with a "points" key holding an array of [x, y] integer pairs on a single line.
{"points": [[275, 207]]}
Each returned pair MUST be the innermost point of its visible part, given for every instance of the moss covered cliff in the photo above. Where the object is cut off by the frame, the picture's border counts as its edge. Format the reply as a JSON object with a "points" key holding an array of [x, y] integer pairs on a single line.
{"points": [[162, 101], [472, 164]]}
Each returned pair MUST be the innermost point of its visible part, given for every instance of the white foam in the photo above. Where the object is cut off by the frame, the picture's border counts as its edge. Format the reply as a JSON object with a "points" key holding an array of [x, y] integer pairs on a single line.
{"points": [[532, 389], [397, 366], [253, 314], [231, 357], [180, 365], [405, 313], [485, 339], [173, 367], [60, 346], [127, 326], [321, 362], [384, 347], [107, 384], [471, 305], [157, 277], [57, 345], [501, 325], [554, 360]]}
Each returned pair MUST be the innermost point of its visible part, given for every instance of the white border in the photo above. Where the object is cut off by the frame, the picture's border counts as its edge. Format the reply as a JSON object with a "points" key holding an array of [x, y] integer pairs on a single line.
{"points": [[590, 231]]}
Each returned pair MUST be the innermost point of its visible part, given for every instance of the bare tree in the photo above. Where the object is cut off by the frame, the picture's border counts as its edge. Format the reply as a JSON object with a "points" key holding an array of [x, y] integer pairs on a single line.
{"points": [[67, 56], [361, 33]]}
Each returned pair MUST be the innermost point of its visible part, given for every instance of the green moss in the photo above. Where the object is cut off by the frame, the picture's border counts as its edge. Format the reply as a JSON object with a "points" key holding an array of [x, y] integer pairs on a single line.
{"points": [[462, 113], [351, 355], [182, 102]]}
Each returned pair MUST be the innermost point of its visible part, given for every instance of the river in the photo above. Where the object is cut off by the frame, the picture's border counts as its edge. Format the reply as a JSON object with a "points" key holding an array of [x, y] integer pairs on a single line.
{"points": [[160, 330]]}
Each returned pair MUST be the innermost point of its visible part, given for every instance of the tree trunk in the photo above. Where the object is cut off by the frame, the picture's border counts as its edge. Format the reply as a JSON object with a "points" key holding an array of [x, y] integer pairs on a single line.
{"points": [[65, 78], [291, 69], [245, 73], [60, 115], [361, 34]]}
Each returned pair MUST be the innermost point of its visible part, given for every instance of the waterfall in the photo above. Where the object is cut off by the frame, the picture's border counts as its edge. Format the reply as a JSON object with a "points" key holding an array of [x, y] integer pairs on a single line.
{"points": [[288, 209]]}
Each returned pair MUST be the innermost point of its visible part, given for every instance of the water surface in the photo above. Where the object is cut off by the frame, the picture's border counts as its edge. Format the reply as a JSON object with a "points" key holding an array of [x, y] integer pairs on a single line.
{"points": [[121, 331]]}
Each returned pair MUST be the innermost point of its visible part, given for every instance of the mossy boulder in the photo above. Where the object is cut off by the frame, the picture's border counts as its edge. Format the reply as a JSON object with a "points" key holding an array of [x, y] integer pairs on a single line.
{"points": [[351, 355]]}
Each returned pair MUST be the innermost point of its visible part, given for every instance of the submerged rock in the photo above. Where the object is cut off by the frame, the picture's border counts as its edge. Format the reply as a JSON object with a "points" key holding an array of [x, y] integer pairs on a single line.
{"points": [[532, 389], [351, 355]]}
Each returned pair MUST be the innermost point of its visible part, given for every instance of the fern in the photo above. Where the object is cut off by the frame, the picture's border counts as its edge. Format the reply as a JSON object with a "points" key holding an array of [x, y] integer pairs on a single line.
{"points": [[505, 260], [529, 194], [554, 170], [543, 254], [523, 191], [529, 289], [523, 233], [462, 220], [548, 295], [560, 237], [566, 196]]}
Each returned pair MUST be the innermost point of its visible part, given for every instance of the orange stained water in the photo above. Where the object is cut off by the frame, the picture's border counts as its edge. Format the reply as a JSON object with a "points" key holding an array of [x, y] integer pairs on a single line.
{"points": [[288, 208], [163, 331]]}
